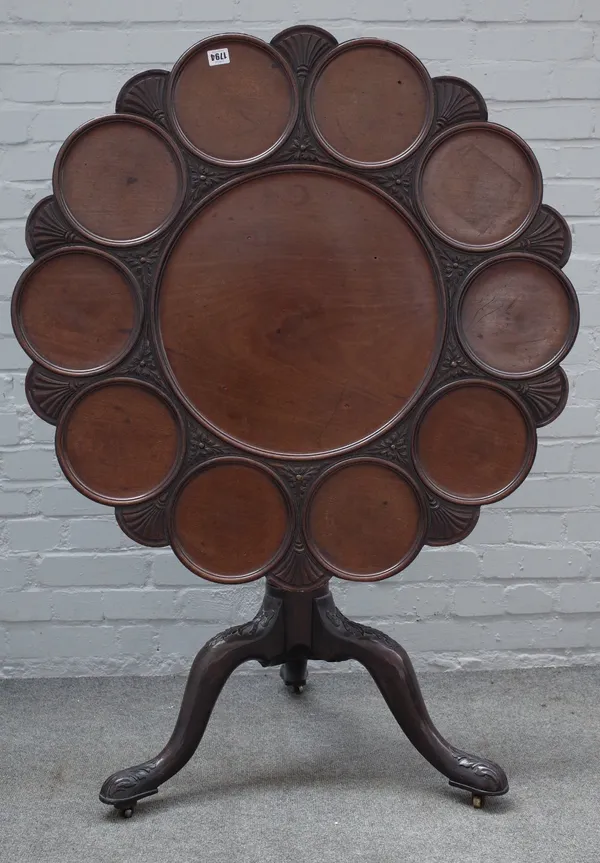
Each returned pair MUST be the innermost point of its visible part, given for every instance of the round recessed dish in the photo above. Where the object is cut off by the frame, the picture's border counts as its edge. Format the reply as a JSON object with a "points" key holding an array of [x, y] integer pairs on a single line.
{"points": [[120, 441], [299, 312], [365, 520], [479, 186], [474, 442], [77, 311], [232, 99], [231, 520], [370, 103], [517, 316], [119, 180]]}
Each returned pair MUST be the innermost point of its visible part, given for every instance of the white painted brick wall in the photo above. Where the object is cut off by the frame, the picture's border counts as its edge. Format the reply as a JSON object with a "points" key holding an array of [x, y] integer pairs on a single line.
{"points": [[76, 596]]}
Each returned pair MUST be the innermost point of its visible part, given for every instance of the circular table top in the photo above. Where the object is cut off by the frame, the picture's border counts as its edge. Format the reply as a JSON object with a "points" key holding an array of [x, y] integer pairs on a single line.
{"points": [[296, 308]]}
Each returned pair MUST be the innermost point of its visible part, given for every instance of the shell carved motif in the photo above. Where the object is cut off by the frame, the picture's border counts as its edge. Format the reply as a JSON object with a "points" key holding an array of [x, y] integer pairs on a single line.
{"points": [[47, 229], [144, 95], [457, 102], [303, 47], [548, 236], [146, 523], [546, 396], [449, 522], [48, 394]]}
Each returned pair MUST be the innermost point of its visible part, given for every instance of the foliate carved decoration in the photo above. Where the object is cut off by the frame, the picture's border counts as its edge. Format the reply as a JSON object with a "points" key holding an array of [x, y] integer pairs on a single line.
{"points": [[301, 148], [47, 229], [298, 570], [393, 447], [143, 263], [121, 785], [351, 629], [142, 363], [449, 522], [201, 444], [481, 768], [457, 102], [144, 95], [146, 523], [259, 625], [455, 265], [545, 396], [398, 182], [299, 476], [48, 393], [548, 236], [454, 363], [303, 47], [204, 178]]}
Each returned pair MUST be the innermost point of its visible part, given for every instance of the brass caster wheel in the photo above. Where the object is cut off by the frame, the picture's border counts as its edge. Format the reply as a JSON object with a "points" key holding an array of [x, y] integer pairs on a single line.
{"points": [[128, 812], [478, 801], [298, 689]]}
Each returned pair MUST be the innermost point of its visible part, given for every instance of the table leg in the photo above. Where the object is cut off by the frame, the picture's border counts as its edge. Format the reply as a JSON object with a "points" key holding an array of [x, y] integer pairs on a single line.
{"points": [[337, 638], [260, 639]]}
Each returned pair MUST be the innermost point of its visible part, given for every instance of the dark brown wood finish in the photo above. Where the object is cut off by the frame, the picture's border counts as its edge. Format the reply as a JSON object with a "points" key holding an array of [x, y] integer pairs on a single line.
{"points": [[365, 519], [518, 315], [479, 186], [280, 306], [231, 520], [235, 113], [370, 103], [119, 180], [326, 323], [77, 310], [120, 441], [474, 442]]}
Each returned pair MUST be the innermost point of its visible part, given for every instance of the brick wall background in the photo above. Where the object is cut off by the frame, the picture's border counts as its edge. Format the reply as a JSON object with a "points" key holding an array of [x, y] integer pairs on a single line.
{"points": [[76, 596]]}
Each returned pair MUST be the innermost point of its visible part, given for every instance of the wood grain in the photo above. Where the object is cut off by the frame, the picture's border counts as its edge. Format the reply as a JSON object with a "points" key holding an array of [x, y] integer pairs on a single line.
{"points": [[119, 179], [77, 311], [474, 442], [230, 521], [518, 316], [479, 186], [299, 312], [237, 111], [120, 441], [365, 520], [371, 102]]}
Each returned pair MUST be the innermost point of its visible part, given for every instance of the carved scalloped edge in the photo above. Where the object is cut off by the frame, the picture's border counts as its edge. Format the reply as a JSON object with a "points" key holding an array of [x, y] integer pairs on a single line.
{"points": [[297, 570], [457, 101], [303, 47], [146, 522], [48, 393], [47, 228], [549, 236], [449, 523], [144, 95], [545, 396]]}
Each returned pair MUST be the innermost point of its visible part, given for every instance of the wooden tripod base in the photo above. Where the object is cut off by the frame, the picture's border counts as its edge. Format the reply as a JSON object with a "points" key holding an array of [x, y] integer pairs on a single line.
{"points": [[289, 629]]}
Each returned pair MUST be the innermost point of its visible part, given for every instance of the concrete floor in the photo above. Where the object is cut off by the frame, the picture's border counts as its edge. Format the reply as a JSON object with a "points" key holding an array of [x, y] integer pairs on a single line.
{"points": [[326, 776]]}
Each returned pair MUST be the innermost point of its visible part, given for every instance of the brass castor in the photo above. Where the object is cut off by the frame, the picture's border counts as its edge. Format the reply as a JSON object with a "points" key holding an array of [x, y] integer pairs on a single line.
{"points": [[128, 811], [478, 801]]}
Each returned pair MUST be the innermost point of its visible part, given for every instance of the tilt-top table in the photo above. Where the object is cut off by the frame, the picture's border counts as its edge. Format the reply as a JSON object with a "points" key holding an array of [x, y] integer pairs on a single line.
{"points": [[296, 310]]}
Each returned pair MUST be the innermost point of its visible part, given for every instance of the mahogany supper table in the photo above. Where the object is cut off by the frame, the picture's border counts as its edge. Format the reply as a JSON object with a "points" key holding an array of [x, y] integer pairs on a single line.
{"points": [[296, 311]]}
